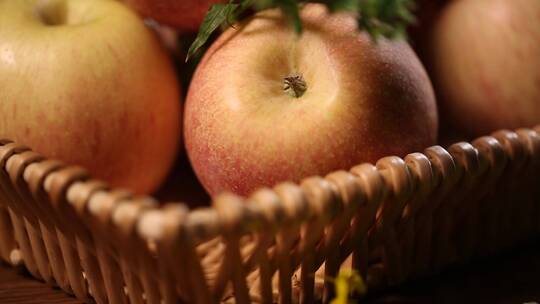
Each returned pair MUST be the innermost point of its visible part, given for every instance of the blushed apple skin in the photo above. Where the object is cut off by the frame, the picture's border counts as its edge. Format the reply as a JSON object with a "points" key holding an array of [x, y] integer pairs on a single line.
{"points": [[484, 59], [100, 93], [184, 15], [362, 102]]}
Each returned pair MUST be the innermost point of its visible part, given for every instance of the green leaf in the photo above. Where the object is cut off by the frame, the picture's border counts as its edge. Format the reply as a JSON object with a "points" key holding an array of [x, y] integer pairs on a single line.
{"points": [[342, 5], [290, 8], [216, 16], [263, 4], [386, 18]]}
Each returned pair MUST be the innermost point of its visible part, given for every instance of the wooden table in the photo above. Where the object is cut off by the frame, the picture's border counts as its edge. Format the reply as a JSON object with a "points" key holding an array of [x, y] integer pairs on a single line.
{"points": [[513, 277], [17, 287]]}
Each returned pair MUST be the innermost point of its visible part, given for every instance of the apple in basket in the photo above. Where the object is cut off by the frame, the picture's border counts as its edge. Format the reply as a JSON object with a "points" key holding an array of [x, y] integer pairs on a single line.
{"points": [[266, 105], [87, 83], [184, 15], [484, 59]]}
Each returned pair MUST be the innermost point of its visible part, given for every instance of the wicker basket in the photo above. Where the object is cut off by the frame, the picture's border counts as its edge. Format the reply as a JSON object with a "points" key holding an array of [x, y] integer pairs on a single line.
{"points": [[394, 221]]}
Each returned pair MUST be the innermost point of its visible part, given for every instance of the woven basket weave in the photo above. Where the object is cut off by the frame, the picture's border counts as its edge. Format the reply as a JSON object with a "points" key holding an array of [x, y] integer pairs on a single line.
{"points": [[394, 221]]}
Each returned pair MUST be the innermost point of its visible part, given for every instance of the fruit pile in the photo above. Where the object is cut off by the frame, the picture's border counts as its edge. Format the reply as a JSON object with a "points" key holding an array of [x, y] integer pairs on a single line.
{"points": [[88, 82]]}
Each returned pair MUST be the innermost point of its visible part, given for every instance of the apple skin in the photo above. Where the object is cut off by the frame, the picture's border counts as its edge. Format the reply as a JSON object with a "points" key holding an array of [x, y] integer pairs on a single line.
{"points": [[363, 102], [96, 90], [184, 15], [484, 60]]}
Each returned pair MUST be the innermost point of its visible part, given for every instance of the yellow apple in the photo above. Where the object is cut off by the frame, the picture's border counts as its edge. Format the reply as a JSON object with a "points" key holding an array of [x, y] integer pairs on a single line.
{"points": [[87, 83], [265, 105]]}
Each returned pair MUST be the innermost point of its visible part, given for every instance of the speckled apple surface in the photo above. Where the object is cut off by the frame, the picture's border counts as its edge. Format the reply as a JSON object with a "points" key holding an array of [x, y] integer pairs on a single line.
{"points": [[363, 101]]}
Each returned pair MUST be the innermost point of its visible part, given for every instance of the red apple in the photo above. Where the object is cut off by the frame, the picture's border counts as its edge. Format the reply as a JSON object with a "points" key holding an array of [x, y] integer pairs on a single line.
{"points": [[484, 59], [184, 15], [87, 83], [266, 106]]}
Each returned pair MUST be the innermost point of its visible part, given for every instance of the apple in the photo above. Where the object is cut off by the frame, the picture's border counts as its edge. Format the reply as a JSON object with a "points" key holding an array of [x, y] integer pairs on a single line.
{"points": [[184, 15], [87, 83], [484, 59], [266, 106]]}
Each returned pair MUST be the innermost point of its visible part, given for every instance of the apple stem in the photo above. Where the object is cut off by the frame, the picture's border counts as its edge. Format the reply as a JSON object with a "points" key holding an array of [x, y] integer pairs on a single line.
{"points": [[294, 85]]}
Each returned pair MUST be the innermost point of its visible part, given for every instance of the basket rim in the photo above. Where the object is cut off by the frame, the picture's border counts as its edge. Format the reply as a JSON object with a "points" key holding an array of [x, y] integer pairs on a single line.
{"points": [[206, 222]]}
